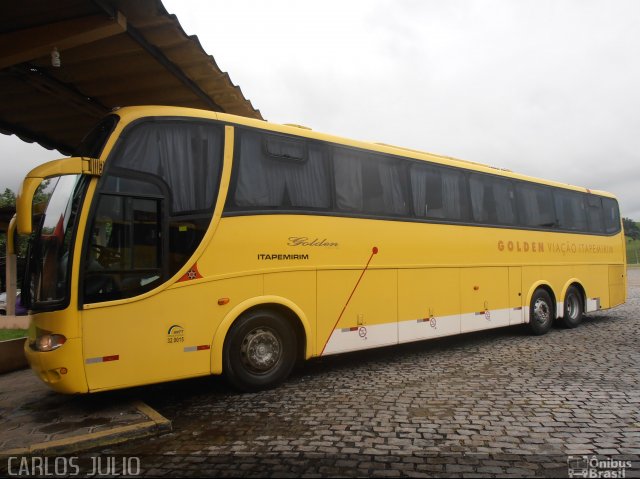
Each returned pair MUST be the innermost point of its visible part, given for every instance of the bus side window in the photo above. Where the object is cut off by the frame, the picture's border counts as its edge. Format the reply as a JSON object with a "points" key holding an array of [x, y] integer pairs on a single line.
{"points": [[177, 153], [492, 199], [595, 214], [438, 192], [184, 237], [348, 180], [570, 210], [369, 183], [178, 163], [535, 206], [611, 215], [276, 171], [125, 252]]}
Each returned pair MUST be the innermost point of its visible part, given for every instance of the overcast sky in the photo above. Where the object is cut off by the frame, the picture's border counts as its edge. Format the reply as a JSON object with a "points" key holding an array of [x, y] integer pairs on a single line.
{"points": [[546, 88]]}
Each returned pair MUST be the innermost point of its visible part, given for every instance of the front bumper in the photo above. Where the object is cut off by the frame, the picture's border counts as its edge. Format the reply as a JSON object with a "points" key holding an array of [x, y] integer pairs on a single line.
{"points": [[62, 369]]}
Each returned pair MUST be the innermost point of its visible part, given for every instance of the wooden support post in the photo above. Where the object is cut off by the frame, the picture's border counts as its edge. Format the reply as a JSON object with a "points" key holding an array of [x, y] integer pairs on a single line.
{"points": [[11, 269], [11, 284]]}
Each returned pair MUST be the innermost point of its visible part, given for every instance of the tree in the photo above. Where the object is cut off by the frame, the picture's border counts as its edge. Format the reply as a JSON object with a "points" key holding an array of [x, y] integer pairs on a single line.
{"points": [[42, 194], [631, 228], [8, 198]]}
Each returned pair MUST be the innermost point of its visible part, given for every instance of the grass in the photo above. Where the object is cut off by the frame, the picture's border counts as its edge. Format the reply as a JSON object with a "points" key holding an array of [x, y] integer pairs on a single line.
{"points": [[12, 334], [633, 251]]}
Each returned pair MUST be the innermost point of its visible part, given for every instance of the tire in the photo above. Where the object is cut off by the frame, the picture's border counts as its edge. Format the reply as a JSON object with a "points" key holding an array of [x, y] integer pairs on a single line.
{"points": [[541, 312], [573, 308], [259, 351]]}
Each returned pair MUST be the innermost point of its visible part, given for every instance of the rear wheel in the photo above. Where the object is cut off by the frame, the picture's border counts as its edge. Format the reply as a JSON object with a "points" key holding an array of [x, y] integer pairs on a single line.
{"points": [[573, 308], [259, 351], [541, 312]]}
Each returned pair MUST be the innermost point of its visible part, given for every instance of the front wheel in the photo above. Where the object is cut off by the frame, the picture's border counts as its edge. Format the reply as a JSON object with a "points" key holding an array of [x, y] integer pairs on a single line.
{"points": [[573, 308], [259, 351], [541, 312]]}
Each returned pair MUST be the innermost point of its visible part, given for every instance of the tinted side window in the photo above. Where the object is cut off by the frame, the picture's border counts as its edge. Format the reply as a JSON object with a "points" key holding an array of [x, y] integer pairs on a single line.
{"points": [[276, 171], [570, 210], [154, 204], [611, 215], [123, 185], [187, 156], [492, 199], [124, 258], [535, 206], [438, 192], [369, 183], [595, 214]]}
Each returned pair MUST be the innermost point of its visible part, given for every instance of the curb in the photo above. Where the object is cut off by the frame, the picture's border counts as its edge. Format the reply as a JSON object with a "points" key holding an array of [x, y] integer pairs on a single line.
{"points": [[155, 425], [12, 355]]}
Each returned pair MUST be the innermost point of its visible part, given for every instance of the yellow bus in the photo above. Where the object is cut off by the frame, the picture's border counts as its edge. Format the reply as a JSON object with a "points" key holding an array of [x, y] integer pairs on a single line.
{"points": [[181, 243]]}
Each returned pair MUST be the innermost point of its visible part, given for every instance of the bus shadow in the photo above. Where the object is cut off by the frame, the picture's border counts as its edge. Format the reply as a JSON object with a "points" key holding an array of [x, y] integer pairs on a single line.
{"points": [[460, 342], [399, 351]]}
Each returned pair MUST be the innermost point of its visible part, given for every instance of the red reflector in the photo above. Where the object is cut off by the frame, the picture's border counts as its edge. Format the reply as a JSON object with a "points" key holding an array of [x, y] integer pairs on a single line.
{"points": [[111, 358], [63, 371], [202, 348]]}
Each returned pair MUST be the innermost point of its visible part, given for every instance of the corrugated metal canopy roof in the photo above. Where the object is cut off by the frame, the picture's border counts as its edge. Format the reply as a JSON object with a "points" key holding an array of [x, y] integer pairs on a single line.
{"points": [[113, 53]]}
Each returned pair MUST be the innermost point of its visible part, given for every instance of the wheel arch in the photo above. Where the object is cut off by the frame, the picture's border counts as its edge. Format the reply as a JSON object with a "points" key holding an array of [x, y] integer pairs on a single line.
{"points": [[287, 308]]}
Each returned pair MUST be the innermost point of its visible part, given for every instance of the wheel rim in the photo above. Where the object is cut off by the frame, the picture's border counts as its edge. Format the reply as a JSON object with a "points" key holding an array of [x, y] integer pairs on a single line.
{"points": [[261, 350], [573, 307], [541, 311]]}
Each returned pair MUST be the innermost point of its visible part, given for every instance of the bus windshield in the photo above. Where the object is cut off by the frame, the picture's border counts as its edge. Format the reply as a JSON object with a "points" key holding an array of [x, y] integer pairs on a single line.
{"points": [[49, 264]]}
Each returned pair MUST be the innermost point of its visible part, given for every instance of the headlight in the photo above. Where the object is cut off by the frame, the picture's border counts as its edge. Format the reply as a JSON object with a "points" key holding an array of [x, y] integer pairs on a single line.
{"points": [[49, 342]]}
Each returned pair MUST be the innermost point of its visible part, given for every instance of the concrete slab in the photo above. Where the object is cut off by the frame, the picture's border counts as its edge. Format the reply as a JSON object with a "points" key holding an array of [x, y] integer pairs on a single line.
{"points": [[12, 356], [36, 420], [14, 322]]}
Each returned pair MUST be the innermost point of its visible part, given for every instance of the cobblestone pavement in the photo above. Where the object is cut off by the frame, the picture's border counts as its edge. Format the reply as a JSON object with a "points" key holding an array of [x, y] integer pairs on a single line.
{"points": [[499, 403]]}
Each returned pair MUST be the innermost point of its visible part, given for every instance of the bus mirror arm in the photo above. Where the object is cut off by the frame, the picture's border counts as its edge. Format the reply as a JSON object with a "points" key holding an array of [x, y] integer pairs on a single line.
{"points": [[67, 166]]}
